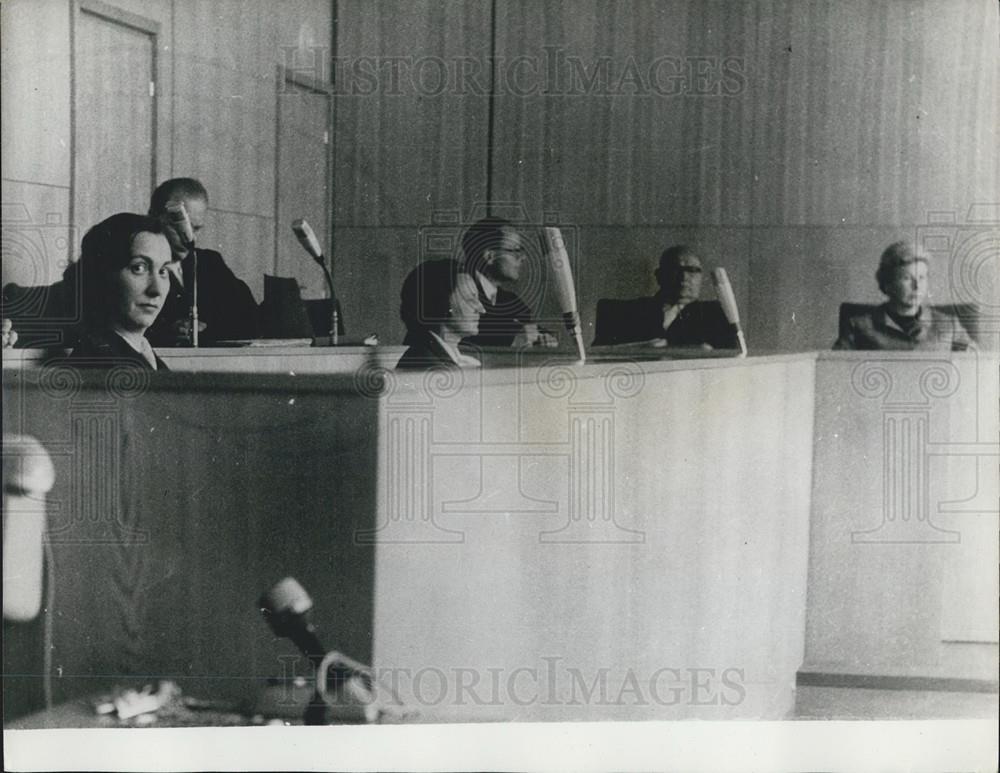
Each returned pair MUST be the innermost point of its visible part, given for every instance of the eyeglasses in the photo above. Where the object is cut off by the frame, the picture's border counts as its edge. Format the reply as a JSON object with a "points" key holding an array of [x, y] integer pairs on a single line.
{"points": [[688, 269]]}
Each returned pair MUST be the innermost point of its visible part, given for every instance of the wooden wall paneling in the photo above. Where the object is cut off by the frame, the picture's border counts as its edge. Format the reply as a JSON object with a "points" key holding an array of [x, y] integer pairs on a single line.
{"points": [[304, 24], [37, 237], [115, 115], [225, 105], [36, 91], [302, 186], [615, 151], [35, 69], [177, 551], [162, 14], [371, 264], [224, 124], [874, 117], [403, 151]]}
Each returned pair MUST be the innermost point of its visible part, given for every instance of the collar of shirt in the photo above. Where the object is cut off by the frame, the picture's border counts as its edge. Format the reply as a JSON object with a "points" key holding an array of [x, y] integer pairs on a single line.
{"points": [[923, 321], [137, 341], [459, 359], [487, 287]]}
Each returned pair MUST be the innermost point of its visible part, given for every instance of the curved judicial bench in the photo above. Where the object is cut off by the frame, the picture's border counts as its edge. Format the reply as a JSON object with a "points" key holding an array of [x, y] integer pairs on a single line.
{"points": [[636, 538]]}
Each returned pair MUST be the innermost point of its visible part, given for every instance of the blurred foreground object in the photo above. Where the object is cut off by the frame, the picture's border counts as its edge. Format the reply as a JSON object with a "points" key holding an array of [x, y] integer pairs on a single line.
{"points": [[346, 690], [28, 476]]}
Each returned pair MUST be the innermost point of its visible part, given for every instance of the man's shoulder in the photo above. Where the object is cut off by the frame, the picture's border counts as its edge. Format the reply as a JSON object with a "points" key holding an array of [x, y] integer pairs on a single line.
{"points": [[210, 258], [509, 300]]}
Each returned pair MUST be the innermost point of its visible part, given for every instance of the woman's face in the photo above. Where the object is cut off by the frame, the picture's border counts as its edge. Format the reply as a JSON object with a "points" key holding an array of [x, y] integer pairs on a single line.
{"points": [[907, 289], [141, 286], [465, 307]]}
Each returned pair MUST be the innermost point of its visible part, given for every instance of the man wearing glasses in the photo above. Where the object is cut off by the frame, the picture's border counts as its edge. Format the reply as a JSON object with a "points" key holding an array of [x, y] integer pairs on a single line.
{"points": [[672, 317], [495, 251]]}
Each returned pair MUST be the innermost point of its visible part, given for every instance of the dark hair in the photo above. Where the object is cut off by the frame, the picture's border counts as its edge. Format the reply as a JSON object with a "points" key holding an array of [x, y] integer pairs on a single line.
{"points": [[671, 258], [106, 248], [424, 301], [484, 234], [184, 187]]}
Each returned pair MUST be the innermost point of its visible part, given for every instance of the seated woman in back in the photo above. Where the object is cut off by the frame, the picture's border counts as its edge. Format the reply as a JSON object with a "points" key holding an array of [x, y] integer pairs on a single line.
{"points": [[905, 321], [122, 273], [439, 304]]}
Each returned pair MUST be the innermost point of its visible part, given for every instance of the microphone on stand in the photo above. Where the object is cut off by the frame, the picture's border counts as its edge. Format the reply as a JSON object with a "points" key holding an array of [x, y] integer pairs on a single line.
{"points": [[344, 685], [727, 299], [562, 274], [304, 233], [178, 216]]}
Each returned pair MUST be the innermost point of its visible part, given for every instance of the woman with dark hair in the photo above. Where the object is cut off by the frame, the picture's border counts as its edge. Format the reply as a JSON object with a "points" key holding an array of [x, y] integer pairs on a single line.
{"points": [[123, 279], [439, 304]]}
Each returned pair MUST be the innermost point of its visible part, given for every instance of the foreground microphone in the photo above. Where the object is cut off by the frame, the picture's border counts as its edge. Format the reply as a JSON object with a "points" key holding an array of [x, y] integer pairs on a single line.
{"points": [[562, 274], [178, 216], [28, 476], [286, 608], [727, 299], [304, 233]]}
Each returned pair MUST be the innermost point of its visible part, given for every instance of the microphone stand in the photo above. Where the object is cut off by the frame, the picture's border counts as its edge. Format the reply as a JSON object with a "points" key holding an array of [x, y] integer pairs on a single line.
{"points": [[334, 317], [194, 296]]}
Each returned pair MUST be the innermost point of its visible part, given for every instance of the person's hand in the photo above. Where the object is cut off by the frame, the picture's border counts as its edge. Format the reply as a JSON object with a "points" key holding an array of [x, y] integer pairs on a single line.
{"points": [[536, 336], [9, 334], [182, 329]]}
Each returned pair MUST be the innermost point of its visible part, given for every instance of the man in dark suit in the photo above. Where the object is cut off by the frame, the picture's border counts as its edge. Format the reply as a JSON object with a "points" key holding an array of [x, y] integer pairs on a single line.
{"points": [[226, 307], [674, 315], [494, 252]]}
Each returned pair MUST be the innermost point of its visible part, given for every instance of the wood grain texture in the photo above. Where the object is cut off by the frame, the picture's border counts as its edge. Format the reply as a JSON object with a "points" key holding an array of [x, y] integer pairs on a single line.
{"points": [[403, 151], [158, 564], [115, 119]]}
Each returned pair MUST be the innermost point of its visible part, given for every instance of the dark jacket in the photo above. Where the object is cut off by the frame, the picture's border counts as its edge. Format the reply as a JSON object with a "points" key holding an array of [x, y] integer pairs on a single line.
{"points": [[107, 349], [874, 329], [641, 319], [504, 319], [225, 304]]}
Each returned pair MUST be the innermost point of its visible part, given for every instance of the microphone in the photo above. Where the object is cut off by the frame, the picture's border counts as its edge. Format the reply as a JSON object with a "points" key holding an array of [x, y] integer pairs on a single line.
{"points": [[28, 475], [562, 274], [727, 299], [286, 608], [304, 233], [177, 214]]}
